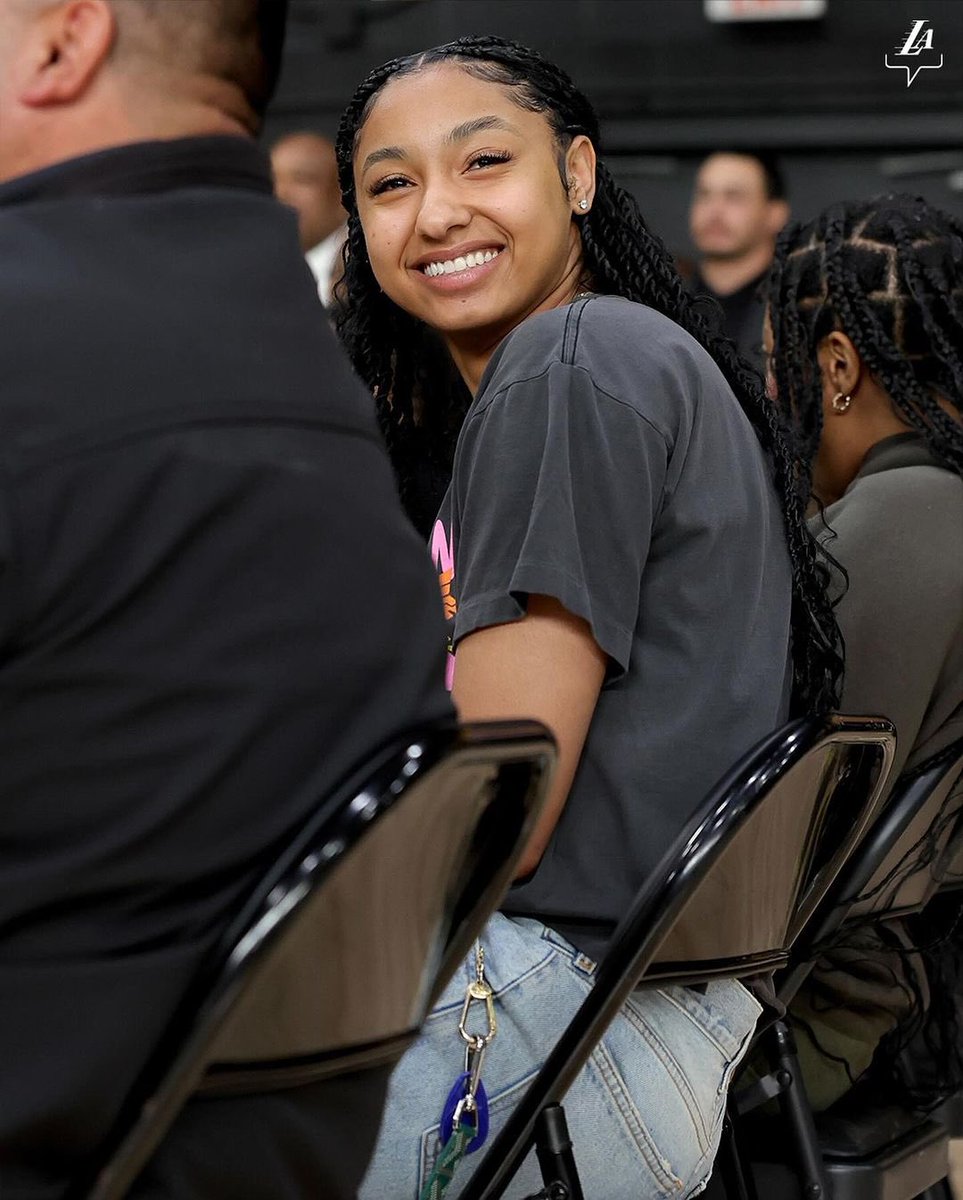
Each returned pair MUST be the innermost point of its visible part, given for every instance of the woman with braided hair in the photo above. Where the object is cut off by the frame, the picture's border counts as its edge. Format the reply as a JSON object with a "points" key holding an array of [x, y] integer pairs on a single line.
{"points": [[865, 335], [622, 552]]}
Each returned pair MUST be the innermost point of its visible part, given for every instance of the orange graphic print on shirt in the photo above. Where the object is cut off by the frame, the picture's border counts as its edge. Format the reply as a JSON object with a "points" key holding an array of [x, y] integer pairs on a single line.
{"points": [[445, 580], [443, 556]]}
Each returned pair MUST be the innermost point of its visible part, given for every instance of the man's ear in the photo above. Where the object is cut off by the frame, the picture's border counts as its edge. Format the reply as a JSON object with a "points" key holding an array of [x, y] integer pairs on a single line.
{"points": [[70, 44]]}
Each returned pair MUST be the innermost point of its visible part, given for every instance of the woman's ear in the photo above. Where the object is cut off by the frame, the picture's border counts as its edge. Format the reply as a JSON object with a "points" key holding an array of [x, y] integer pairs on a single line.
{"points": [[839, 362], [580, 160]]}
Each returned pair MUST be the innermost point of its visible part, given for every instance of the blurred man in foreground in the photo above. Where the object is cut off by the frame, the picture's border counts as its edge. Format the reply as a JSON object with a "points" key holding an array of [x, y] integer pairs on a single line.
{"points": [[306, 178], [211, 606], [738, 208]]}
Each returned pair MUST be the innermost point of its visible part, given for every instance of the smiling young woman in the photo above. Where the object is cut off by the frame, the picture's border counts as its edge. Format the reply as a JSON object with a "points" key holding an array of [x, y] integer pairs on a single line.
{"points": [[622, 555]]}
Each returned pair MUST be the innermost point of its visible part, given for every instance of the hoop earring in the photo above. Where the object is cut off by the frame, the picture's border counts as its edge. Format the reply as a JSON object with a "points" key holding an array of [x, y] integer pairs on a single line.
{"points": [[841, 403]]}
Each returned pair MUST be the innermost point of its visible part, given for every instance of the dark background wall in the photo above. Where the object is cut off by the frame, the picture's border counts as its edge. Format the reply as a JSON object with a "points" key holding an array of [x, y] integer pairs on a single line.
{"points": [[670, 85]]}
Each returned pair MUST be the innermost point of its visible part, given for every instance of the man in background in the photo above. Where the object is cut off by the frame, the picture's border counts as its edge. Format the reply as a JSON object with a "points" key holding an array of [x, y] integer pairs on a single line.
{"points": [[738, 208], [212, 609], [306, 178]]}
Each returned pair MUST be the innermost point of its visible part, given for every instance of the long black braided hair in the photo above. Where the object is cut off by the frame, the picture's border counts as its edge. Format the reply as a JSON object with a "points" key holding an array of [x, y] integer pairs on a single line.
{"points": [[422, 401], [889, 274]]}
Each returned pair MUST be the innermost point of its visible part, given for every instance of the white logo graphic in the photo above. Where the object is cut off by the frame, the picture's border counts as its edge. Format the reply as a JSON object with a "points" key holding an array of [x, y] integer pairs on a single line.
{"points": [[913, 53]]}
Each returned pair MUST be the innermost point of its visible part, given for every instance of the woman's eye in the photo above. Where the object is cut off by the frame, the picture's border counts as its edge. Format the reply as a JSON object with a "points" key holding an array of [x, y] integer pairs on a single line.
{"points": [[488, 160], [391, 184]]}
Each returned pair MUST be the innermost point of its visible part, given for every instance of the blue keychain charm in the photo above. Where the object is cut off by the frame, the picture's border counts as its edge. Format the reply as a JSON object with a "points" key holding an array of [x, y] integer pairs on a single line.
{"points": [[455, 1097]]}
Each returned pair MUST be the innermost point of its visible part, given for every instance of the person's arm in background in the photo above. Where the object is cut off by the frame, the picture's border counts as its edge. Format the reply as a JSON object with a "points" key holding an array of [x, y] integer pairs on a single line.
{"points": [[547, 666]]}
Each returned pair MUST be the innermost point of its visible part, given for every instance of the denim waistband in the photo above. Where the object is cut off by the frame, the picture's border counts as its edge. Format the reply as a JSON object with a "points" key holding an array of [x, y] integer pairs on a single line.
{"points": [[581, 962], [742, 1000]]}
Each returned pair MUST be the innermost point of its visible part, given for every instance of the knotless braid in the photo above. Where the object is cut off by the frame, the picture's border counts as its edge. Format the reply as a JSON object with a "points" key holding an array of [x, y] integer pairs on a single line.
{"points": [[625, 258], [888, 273], [399, 359]]}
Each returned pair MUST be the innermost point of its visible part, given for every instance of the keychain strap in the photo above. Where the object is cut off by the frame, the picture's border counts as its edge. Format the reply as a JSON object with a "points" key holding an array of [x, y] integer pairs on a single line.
{"points": [[467, 1100]]}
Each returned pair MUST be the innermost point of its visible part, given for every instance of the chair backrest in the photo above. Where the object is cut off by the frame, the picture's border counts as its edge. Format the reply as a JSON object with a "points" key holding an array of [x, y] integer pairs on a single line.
{"points": [[334, 960], [907, 851], [827, 777], [951, 879], [787, 788], [903, 854]]}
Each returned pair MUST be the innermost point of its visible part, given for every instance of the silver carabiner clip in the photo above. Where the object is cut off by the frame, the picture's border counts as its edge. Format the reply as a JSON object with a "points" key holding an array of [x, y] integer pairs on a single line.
{"points": [[478, 991]]}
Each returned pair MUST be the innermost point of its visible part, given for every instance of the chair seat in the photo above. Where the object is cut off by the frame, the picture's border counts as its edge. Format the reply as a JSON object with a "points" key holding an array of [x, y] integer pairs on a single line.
{"points": [[864, 1122], [900, 1170], [856, 1137], [883, 1153]]}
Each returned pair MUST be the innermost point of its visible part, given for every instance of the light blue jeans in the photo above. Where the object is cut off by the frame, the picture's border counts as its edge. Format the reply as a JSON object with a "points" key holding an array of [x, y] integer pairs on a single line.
{"points": [[645, 1115]]}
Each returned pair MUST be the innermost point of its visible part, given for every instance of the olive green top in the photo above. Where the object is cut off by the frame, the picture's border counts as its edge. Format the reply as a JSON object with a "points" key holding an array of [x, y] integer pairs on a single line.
{"points": [[898, 532]]}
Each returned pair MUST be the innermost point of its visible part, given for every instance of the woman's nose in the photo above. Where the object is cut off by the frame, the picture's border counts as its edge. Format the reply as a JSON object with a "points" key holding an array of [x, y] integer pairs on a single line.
{"points": [[442, 209]]}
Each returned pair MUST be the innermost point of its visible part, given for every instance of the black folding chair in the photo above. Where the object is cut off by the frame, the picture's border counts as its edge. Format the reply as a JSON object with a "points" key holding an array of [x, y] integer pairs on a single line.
{"points": [[861, 1150], [738, 883], [951, 865], [333, 963]]}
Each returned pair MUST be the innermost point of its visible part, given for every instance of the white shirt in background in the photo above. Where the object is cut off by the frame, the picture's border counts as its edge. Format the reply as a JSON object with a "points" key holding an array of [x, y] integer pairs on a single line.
{"points": [[321, 259]]}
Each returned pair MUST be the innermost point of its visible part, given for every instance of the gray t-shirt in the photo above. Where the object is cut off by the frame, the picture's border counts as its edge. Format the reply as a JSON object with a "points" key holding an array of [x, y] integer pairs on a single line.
{"points": [[605, 462]]}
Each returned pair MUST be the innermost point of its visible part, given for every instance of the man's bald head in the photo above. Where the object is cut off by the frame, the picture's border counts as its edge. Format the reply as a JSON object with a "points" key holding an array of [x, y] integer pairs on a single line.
{"points": [[306, 178]]}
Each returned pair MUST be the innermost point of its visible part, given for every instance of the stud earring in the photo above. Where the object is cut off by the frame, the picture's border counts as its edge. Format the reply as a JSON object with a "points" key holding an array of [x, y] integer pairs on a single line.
{"points": [[841, 403], [583, 205]]}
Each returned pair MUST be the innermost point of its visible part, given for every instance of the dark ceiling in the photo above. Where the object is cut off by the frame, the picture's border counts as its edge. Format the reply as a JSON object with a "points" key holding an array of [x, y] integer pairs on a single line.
{"points": [[662, 76]]}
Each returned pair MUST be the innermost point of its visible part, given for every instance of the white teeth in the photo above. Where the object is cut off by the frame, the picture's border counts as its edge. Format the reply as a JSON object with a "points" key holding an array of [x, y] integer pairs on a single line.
{"points": [[462, 263]]}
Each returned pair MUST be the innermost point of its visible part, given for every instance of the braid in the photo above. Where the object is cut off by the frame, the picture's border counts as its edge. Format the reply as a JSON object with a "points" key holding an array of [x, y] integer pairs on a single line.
{"points": [[399, 359], [625, 258], [890, 274], [622, 257], [801, 391]]}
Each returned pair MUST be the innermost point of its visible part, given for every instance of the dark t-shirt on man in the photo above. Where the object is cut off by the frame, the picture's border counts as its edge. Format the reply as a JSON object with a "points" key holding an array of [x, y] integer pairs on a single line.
{"points": [[211, 606], [605, 462]]}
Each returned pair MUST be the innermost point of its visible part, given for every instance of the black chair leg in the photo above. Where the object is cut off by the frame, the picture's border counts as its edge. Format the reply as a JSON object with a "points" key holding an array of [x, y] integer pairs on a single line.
{"points": [[736, 1182], [794, 1102], [553, 1149]]}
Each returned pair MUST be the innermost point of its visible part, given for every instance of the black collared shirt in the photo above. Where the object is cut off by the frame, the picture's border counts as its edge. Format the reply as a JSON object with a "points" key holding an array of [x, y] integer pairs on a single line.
{"points": [[211, 606], [742, 311], [143, 168]]}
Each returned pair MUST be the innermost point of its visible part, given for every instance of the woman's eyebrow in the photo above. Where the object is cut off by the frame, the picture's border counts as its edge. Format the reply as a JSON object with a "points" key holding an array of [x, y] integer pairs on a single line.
{"points": [[480, 124], [467, 129], [381, 155]]}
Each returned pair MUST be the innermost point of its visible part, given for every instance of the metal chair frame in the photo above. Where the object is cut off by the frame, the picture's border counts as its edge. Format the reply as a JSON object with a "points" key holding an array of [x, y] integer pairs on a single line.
{"points": [[523, 754], [636, 946], [873, 886]]}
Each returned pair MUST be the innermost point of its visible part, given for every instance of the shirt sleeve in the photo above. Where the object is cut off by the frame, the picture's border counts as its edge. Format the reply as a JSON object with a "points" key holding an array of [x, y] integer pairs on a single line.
{"points": [[556, 487]]}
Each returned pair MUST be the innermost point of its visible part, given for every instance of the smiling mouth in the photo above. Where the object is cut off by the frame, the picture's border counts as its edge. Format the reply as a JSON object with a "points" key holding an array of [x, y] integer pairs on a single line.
{"points": [[454, 266]]}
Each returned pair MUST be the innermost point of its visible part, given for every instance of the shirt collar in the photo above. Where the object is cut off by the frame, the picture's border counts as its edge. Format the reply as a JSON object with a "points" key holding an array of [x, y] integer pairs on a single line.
{"points": [[900, 450], [143, 167], [749, 288]]}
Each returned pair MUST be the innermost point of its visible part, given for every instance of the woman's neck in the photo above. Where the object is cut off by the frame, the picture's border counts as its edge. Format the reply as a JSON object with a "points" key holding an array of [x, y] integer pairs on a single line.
{"points": [[472, 350]]}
